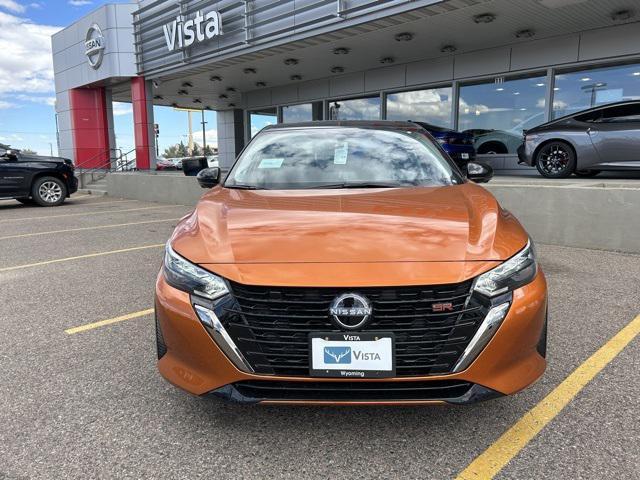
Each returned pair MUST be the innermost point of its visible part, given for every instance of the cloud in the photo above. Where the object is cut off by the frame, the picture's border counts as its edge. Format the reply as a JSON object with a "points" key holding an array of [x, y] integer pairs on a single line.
{"points": [[45, 100], [210, 135], [78, 3], [432, 106], [12, 6], [120, 108], [4, 104], [26, 65]]}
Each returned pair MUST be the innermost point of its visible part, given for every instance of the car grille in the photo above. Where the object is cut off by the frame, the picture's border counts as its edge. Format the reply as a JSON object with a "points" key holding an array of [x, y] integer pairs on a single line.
{"points": [[271, 325], [352, 391]]}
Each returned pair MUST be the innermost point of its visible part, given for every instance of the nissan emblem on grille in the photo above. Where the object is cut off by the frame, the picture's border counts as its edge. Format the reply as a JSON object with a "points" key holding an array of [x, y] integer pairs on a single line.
{"points": [[350, 311]]}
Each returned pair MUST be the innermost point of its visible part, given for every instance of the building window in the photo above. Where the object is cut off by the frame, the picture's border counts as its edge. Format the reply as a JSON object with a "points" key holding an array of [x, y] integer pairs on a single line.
{"points": [[304, 112], [297, 113], [575, 91], [432, 106], [496, 113], [355, 109], [258, 119]]}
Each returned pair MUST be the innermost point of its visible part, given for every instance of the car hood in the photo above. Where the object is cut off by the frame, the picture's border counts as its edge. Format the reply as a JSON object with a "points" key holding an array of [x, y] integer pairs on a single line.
{"points": [[459, 223], [42, 158]]}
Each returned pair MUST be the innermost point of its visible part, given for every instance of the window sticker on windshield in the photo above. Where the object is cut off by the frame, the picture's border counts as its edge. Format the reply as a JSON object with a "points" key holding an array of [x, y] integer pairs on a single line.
{"points": [[340, 154], [271, 163]]}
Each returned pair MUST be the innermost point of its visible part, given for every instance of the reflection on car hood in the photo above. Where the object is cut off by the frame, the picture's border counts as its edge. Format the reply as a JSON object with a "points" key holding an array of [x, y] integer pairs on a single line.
{"points": [[429, 224], [41, 158]]}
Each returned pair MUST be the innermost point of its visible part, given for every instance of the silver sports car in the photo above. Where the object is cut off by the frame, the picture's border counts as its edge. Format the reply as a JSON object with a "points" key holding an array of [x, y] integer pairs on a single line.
{"points": [[601, 138]]}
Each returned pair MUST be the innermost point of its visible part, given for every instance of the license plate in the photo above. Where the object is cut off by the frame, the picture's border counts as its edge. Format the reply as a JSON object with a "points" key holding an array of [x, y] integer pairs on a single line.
{"points": [[352, 355], [464, 156]]}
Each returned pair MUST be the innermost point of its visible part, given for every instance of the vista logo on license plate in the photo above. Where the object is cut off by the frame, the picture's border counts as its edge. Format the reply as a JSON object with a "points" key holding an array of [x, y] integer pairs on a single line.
{"points": [[337, 355]]}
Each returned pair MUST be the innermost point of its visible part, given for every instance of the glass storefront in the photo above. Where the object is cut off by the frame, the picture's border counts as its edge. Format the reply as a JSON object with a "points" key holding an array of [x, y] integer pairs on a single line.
{"points": [[303, 112], [297, 113], [355, 109], [258, 119], [579, 90], [432, 105], [496, 113]]}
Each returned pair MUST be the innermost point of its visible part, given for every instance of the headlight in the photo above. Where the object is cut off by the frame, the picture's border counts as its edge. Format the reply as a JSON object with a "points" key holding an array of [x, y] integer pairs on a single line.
{"points": [[186, 276], [515, 272]]}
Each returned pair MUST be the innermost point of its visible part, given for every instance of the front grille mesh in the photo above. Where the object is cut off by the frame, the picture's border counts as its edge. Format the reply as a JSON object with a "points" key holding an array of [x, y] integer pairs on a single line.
{"points": [[271, 324]]}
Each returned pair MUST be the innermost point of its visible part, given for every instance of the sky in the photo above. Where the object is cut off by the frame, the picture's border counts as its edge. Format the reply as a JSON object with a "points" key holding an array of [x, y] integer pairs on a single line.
{"points": [[27, 94]]}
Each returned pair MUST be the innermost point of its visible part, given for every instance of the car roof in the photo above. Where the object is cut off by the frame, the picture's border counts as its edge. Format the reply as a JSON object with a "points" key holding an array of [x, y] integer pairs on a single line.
{"points": [[588, 110], [379, 124]]}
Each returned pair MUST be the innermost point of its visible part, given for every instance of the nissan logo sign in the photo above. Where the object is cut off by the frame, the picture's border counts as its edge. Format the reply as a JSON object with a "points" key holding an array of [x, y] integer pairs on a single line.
{"points": [[350, 311], [94, 46]]}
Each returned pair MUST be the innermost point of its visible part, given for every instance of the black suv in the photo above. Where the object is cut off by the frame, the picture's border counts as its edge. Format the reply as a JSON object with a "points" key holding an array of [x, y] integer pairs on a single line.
{"points": [[46, 181]]}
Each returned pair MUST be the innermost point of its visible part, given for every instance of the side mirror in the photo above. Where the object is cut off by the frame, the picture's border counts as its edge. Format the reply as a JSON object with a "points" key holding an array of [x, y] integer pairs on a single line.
{"points": [[208, 177], [479, 172]]}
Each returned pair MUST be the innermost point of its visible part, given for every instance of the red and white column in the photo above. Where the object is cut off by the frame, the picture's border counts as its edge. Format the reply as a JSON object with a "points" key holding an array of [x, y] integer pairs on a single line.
{"points": [[141, 99]]}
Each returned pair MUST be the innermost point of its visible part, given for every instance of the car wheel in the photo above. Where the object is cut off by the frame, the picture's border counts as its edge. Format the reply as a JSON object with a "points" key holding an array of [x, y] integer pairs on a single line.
{"points": [[25, 201], [586, 173], [48, 192], [556, 160]]}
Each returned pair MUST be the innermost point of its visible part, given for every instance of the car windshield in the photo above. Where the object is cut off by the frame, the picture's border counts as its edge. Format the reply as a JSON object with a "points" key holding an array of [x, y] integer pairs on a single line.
{"points": [[340, 157]]}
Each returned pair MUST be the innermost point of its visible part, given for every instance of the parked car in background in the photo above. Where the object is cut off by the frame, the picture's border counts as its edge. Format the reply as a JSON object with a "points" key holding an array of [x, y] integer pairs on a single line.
{"points": [[503, 142], [168, 163], [212, 161], [585, 143], [45, 181], [458, 145]]}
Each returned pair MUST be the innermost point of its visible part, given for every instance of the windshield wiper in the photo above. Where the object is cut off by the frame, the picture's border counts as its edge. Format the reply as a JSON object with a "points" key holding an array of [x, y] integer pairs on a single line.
{"points": [[358, 185], [242, 186]]}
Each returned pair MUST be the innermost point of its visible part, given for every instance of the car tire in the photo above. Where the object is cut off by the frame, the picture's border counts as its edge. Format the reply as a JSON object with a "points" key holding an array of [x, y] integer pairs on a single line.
{"points": [[48, 191], [26, 201], [586, 173], [556, 159]]}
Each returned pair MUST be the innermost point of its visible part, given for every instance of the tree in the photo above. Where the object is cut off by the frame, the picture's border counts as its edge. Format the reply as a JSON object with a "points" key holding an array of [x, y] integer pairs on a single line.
{"points": [[28, 151], [171, 152], [182, 150], [196, 150], [208, 151]]}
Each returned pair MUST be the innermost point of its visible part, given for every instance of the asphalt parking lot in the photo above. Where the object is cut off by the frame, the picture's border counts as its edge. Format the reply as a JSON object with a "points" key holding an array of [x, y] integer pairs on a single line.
{"points": [[90, 404]]}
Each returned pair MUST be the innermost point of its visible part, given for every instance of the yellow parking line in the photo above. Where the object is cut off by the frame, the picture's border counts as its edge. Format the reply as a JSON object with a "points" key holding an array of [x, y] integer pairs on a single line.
{"points": [[51, 232], [102, 323], [99, 212], [494, 458], [78, 257]]}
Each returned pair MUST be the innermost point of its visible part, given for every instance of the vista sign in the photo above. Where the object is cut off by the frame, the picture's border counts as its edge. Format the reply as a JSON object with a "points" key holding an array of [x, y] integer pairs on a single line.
{"points": [[181, 34]]}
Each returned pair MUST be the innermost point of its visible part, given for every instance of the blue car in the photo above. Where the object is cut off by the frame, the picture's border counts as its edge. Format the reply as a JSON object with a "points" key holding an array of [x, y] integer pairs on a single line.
{"points": [[458, 145]]}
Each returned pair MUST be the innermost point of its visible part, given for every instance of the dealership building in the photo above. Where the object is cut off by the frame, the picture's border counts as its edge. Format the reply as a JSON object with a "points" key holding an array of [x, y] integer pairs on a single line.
{"points": [[494, 67]]}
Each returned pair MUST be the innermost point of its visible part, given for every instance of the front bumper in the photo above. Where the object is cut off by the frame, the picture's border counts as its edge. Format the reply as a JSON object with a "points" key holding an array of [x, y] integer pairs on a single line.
{"points": [[72, 185], [525, 154], [510, 362]]}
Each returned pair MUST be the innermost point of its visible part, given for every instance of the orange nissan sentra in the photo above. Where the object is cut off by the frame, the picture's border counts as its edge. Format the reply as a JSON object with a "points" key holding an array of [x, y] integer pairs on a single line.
{"points": [[350, 263]]}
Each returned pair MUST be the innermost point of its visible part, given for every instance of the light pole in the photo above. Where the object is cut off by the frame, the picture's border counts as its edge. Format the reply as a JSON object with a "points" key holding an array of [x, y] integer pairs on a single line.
{"points": [[204, 139]]}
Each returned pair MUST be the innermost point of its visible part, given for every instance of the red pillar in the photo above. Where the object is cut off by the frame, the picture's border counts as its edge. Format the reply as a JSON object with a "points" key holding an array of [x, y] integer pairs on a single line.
{"points": [[90, 127], [142, 126]]}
